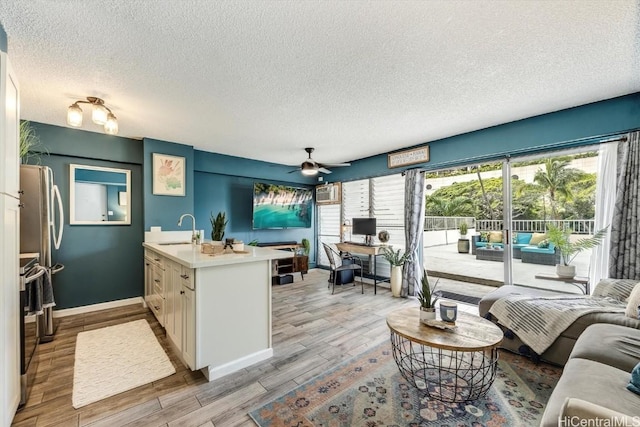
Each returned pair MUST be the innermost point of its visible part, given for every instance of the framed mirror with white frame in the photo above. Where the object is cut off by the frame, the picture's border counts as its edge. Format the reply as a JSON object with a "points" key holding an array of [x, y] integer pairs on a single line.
{"points": [[99, 195]]}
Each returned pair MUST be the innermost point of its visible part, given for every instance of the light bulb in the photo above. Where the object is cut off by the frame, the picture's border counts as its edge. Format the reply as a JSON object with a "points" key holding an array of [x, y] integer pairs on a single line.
{"points": [[111, 124], [74, 115], [99, 115]]}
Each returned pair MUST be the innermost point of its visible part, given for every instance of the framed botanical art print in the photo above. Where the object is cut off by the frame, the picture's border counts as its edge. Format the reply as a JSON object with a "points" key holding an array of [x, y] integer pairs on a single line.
{"points": [[168, 175]]}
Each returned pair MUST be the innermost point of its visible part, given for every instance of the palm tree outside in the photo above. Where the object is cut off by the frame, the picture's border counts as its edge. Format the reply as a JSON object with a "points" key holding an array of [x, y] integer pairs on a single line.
{"points": [[556, 178]]}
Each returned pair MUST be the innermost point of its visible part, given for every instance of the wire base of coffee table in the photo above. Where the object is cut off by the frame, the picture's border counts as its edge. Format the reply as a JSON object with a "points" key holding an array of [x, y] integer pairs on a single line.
{"points": [[445, 375]]}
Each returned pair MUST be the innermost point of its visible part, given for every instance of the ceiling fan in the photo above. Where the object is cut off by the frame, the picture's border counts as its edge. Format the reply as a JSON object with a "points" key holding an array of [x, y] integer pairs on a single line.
{"points": [[310, 167]]}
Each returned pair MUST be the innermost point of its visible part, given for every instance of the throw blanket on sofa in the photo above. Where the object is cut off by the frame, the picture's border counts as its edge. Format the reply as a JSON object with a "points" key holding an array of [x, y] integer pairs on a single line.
{"points": [[538, 321]]}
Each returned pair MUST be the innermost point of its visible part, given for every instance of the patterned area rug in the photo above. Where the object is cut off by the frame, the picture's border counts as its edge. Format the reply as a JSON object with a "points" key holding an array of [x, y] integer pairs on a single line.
{"points": [[369, 391], [117, 358]]}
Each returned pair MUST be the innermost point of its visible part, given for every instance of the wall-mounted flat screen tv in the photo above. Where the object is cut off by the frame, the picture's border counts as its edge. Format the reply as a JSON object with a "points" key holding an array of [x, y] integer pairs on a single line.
{"points": [[281, 206]]}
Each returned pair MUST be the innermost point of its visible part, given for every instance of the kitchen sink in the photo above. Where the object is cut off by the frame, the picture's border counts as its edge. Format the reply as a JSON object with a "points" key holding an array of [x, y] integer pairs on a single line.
{"points": [[174, 243]]}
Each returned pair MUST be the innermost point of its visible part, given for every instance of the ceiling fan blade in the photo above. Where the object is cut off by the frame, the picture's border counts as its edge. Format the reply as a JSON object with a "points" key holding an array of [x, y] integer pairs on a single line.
{"points": [[335, 165], [323, 170], [295, 170]]}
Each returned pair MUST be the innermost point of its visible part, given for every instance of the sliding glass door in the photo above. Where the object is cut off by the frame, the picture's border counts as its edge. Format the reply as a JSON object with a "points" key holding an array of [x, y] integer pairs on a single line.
{"points": [[555, 191]]}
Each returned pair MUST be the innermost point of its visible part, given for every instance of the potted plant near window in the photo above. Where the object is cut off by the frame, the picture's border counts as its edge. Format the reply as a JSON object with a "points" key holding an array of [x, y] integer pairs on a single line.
{"points": [[427, 299], [397, 262], [463, 242], [569, 250], [218, 224]]}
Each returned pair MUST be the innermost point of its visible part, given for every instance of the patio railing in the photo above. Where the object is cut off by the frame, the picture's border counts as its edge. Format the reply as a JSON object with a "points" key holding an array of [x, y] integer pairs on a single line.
{"points": [[579, 226], [440, 223]]}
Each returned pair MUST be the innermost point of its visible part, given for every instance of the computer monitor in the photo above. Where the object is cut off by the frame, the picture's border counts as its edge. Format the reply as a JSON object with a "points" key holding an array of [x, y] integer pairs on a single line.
{"points": [[364, 226]]}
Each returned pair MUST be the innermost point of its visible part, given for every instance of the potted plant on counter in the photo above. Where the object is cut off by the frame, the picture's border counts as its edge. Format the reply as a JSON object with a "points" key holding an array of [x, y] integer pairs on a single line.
{"points": [[569, 250], [427, 299], [397, 262], [218, 224]]}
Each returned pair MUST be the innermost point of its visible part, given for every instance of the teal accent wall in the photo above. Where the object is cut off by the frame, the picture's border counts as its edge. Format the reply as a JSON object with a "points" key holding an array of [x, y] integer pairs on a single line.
{"points": [[238, 166], [3, 40], [234, 196], [225, 183], [102, 262], [164, 211], [561, 129], [90, 145]]}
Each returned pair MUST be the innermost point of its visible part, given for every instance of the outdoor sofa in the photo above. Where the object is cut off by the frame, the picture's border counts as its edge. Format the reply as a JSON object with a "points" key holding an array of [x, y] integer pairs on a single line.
{"points": [[526, 246]]}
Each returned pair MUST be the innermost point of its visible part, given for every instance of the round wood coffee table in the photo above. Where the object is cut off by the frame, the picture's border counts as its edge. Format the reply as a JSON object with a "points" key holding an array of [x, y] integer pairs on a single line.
{"points": [[451, 365]]}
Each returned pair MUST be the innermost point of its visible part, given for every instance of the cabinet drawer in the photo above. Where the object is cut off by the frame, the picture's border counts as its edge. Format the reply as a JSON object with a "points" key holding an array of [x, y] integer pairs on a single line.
{"points": [[156, 303], [187, 277], [158, 283]]}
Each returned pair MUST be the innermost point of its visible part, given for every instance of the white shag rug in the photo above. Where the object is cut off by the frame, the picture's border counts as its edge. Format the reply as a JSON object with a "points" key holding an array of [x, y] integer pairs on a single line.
{"points": [[117, 358]]}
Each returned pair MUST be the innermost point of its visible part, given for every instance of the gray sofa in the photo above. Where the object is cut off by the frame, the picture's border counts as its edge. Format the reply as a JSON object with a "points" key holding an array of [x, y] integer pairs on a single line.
{"points": [[594, 379], [558, 353]]}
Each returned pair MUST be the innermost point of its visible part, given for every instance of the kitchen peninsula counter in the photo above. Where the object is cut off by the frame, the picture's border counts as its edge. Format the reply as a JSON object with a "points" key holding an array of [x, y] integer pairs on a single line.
{"points": [[216, 310], [190, 256]]}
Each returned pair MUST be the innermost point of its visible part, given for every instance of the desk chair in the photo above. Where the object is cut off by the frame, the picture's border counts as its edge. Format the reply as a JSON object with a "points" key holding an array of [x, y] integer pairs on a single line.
{"points": [[333, 256]]}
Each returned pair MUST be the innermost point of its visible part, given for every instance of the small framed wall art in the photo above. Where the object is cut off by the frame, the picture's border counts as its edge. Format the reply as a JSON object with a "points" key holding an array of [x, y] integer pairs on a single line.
{"points": [[168, 175], [408, 157]]}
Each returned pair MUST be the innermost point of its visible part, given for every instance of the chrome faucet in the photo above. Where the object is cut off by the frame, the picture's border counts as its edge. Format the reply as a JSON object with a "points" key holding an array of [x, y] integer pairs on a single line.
{"points": [[194, 236]]}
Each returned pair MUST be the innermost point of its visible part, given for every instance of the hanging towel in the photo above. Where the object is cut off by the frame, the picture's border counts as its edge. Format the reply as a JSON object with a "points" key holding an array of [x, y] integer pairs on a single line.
{"points": [[634, 382], [47, 290], [33, 300]]}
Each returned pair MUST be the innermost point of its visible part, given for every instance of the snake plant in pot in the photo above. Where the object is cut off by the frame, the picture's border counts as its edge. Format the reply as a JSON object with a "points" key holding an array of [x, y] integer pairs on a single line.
{"points": [[218, 224], [427, 299], [569, 250], [397, 262]]}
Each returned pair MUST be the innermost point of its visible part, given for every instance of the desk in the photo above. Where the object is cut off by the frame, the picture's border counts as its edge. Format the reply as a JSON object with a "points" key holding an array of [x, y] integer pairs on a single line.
{"points": [[373, 251], [575, 281]]}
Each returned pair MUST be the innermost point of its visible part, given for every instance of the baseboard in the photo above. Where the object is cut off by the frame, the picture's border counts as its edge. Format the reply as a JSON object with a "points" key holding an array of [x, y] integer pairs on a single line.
{"points": [[96, 307], [233, 366]]}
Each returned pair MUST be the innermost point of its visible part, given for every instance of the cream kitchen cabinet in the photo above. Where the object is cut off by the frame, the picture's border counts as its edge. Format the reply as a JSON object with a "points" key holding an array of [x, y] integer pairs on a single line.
{"points": [[9, 242], [170, 295], [218, 309], [154, 284]]}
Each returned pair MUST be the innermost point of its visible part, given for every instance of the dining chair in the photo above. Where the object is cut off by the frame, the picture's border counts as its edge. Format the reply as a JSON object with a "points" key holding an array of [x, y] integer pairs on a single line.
{"points": [[334, 257]]}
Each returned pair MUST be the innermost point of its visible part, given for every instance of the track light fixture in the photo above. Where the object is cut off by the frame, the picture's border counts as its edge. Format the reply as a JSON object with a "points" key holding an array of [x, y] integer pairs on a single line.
{"points": [[100, 115]]}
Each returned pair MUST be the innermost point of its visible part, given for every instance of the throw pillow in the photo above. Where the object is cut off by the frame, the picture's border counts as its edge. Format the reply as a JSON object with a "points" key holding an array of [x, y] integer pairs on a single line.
{"points": [[544, 244], [537, 238], [495, 237], [619, 289], [634, 382], [514, 238], [633, 303], [484, 236]]}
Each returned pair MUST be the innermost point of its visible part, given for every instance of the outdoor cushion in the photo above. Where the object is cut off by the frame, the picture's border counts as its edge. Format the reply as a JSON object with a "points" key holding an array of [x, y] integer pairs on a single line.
{"points": [[483, 244], [495, 237], [537, 238], [523, 238], [535, 249]]}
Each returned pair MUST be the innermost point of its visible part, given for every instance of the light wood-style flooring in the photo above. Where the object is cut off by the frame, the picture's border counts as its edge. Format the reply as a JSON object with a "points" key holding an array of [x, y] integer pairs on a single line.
{"points": [[312, 332]]}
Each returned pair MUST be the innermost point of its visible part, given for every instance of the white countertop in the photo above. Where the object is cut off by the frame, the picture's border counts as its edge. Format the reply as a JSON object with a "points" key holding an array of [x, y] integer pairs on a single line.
{"points": [[190, 256]]}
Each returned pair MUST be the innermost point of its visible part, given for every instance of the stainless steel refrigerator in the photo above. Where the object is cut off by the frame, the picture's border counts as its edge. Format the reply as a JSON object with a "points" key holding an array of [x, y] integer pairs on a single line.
{"points": [[41, 226]]}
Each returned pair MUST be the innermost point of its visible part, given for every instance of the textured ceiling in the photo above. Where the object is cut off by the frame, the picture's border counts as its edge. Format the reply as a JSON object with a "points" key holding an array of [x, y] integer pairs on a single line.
{"points": [[264, 79]]}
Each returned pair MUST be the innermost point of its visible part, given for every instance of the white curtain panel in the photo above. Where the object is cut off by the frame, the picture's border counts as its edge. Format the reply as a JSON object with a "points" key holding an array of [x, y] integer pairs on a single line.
{"points": [[605, 199], [413, 226]]}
